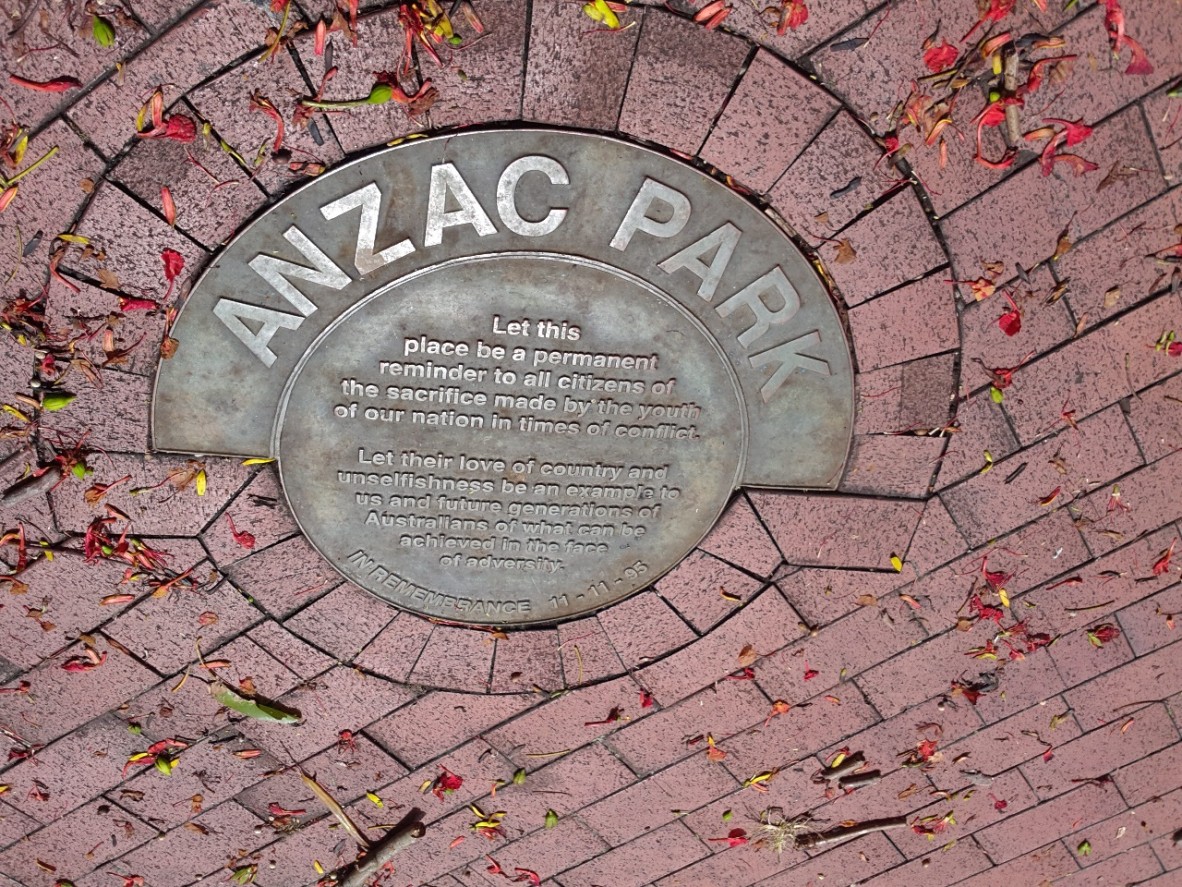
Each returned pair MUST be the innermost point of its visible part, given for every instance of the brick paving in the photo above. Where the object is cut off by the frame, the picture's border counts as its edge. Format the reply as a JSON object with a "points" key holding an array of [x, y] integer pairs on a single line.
{"points": [[983, 609]]}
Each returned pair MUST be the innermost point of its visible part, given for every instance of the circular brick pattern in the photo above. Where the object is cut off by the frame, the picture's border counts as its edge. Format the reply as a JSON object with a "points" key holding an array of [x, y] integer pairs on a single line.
{"points": [[791, 156], [1066, 488]]}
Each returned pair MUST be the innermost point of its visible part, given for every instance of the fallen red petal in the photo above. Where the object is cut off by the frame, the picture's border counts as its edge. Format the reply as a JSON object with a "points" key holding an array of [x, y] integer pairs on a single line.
{"points": [[1010, 322], [1162, 564], [58, 84], [941, 58], [174, 264]]}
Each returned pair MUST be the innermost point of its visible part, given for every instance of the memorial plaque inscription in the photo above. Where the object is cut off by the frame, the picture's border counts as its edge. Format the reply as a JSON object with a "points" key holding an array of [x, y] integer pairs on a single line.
{"points": [[511, 378]]}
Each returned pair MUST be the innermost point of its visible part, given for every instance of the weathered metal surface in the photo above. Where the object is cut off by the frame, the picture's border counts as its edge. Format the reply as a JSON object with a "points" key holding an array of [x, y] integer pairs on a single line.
{"points": [[492, 484], [512, 377]]}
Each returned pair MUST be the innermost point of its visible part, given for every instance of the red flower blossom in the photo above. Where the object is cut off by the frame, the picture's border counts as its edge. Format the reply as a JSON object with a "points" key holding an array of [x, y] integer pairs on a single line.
{"points": [[792, 16], [1076, 131], [445, 783], [941, 58], [1162, 564]]}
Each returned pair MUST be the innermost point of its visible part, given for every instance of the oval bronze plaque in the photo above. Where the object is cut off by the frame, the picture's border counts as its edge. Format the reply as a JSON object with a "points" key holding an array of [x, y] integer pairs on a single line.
{"points": [[493, 483], [512, 377]]}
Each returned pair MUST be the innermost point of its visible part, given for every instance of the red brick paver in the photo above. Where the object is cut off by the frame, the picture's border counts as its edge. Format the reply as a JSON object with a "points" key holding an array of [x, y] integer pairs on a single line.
{"points": [[985, 609]]}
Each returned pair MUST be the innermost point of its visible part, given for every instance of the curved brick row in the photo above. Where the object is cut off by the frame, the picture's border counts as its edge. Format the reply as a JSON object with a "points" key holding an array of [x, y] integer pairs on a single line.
{"points": [[798, 587], [214, 197]]}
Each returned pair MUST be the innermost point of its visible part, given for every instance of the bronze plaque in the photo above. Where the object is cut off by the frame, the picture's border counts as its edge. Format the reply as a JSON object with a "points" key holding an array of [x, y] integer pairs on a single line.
{"points": [[512, 377]]}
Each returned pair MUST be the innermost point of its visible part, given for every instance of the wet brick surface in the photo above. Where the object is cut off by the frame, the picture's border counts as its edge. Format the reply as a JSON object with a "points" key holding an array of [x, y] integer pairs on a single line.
{"points": [[985, 608]]}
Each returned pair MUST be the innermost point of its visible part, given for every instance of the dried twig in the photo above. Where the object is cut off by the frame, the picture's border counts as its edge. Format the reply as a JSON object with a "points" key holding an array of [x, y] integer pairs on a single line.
{"points": [[32, 485], [799, 833], [374, 855], [335, 809], [809, 840], [859, 780], [845, 768], [1013, 115], [397, 839]]}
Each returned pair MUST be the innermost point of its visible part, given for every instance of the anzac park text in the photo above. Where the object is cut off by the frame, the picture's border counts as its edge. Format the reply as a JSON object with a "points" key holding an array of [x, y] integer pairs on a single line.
{"points": [[760, 312]]}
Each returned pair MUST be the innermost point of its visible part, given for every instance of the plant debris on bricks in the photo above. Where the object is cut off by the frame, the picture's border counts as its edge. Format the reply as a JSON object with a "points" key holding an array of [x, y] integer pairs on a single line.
{"points": [[968, 644]]}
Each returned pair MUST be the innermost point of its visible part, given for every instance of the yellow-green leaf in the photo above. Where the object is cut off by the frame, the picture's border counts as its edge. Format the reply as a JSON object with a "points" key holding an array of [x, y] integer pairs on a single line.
{"points": [[551, 819], [57, 400], [599, 11], [897, 563], [18, 152], [201, 479], [257, 460], [103, 31], [252, 708], [759, 778]]}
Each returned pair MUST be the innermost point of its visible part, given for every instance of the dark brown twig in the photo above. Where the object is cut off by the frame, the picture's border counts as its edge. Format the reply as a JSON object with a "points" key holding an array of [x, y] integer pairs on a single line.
{"points": [[397, 839], [849, 765], [32, 485], [809, 840], [859, 780]]}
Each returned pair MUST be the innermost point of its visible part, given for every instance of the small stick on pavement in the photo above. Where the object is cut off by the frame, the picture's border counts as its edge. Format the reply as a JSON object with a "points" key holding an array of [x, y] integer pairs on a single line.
{"points": [[32, 485], [851, 763], [375, 853], [398, 838], [800, 833], [1013, 115], [809, 840], [859, 780]]}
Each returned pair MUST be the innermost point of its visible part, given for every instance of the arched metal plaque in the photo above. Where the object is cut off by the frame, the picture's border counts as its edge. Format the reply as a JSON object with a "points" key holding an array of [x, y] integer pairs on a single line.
{"points": [[512, 376]]}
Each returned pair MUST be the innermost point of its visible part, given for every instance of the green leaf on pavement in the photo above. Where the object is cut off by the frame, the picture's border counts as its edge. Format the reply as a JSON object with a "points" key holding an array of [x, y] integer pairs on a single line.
{"points": [[252, 708], [102, 31], [58, 400]]}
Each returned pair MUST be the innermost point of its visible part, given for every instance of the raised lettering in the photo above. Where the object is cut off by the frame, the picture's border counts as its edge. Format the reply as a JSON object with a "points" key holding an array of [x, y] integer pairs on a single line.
{"points": [[721, 242], [276, 271], [751, 296], [369, 199], [787, 358], [507, 192], [360, 559], [638, 219], [446, 180], [232, 314]]}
